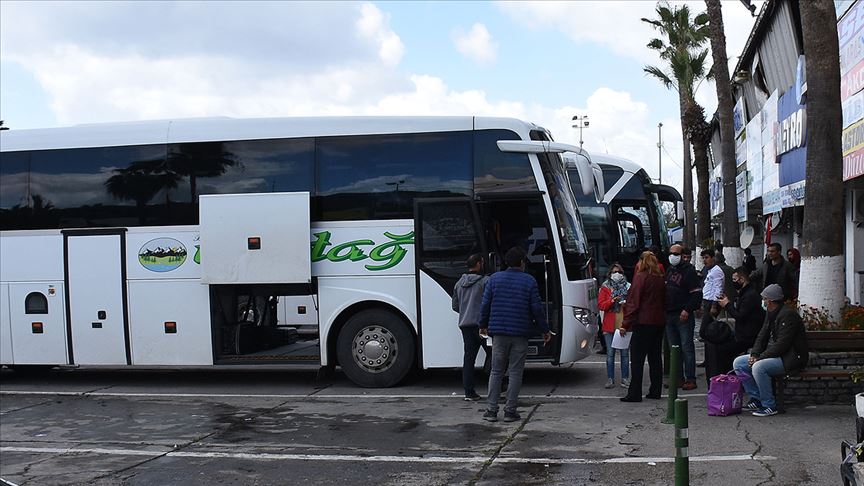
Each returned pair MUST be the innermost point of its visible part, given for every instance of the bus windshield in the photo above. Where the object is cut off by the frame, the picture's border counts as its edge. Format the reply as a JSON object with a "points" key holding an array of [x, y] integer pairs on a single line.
{"points": [[573, 240]]}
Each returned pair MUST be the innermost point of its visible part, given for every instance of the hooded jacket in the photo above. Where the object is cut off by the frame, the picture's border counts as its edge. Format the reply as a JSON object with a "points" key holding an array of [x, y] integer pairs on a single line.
{"points": [[467, 296]]}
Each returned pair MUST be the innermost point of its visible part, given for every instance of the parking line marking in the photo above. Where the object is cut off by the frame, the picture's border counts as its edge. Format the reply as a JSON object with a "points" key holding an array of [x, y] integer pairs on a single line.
{"points": [[318, 396], [399, 459]]}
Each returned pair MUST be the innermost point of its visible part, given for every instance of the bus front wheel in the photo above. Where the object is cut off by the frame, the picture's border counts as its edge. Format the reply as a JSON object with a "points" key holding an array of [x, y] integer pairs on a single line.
{"points": [[375, 349]]}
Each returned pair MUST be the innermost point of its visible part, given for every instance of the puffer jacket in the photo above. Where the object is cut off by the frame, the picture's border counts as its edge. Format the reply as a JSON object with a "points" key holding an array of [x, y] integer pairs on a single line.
{"points": [[511, 305], [467, 296]]}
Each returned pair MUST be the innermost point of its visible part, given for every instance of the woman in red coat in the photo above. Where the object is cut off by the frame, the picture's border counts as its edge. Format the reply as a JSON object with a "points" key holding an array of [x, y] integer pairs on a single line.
{"points": [[645, 317], [613, 294]]}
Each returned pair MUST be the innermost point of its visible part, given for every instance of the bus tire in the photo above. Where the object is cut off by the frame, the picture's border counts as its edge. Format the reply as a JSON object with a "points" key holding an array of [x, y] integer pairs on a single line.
{"points": [[375, 349]]}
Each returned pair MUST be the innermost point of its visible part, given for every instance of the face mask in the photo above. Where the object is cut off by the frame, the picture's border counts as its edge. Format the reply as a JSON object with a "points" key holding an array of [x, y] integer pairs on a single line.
{"points": [[764, 306], [617, 277], [737, 285], [674, 260]]}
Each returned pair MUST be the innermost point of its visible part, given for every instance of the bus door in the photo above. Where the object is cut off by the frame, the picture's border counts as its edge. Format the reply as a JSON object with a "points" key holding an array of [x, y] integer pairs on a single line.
{"points": [[447, 231], [96, 297], [520, 220]]}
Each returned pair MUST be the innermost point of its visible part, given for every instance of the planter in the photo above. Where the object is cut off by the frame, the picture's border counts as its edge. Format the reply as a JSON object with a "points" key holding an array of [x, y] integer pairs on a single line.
{"points": [[835, 340]]}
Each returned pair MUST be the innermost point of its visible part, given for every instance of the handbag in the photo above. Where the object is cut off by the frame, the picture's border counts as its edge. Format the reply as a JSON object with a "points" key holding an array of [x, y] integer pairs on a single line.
{"points": [[725, 395], [619, 319], [718, 331]]}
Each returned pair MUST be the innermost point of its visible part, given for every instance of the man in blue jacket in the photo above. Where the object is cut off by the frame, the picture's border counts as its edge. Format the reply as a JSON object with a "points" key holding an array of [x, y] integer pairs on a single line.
{"points": [[510, 312]]}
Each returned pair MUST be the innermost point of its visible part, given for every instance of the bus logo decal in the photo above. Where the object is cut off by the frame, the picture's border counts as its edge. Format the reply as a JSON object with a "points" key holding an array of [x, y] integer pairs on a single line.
{"points": [[162, 255], [389, 253]]}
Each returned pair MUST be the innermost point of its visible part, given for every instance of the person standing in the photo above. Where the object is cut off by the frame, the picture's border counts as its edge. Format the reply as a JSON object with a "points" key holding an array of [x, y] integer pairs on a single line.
{"points": [[780, 347], [775, 270], [749, 260], [793, 257], [613, 294], [467, 296], [712, 290], [749, 316], [683, 297], [644, 315], [510, 312]]}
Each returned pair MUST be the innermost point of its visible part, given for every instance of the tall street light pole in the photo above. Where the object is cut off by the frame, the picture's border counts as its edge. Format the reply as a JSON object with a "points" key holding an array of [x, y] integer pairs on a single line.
{"points": [[581, 121], [660, 152]]}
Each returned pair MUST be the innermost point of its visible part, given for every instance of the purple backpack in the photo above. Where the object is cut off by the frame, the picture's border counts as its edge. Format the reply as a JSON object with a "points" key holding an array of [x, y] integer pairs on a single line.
{"points": [[725, 395]]}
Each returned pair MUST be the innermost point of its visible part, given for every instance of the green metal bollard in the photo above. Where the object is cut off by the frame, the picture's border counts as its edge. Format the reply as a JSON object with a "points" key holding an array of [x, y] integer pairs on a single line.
{"points": [[682, 444], [674, 364]]}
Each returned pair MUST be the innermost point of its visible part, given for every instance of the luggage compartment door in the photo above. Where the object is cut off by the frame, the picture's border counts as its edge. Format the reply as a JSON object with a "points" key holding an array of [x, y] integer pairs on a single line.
{"points": [[95, 274]]}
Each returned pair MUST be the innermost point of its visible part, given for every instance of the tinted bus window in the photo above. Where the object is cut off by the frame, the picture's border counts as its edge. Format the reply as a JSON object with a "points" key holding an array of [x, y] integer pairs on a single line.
{"points": [[497, 171], [378, 177], [91, 187], [240, 167]]}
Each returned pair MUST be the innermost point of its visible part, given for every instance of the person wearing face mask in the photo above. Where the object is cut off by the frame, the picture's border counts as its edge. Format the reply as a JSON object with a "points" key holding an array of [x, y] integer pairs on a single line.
{"points": [[683, 297], [780, 347], [613, 294], [749, 316]]}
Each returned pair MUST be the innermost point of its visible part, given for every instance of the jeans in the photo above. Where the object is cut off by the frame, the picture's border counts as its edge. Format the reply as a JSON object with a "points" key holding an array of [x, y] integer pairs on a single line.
{"points": [[681, 334], [472, 341], [512, 350], [610, 358], [759, 386]]}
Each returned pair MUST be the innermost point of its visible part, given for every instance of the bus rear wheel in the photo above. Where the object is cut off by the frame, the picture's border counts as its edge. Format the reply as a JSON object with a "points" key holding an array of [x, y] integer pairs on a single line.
{"points": [[375, 349]]}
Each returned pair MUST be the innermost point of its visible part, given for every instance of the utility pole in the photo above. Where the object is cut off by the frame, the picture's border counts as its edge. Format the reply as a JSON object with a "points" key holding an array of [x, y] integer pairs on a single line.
{"points": [[660, 152], [581, 122]]}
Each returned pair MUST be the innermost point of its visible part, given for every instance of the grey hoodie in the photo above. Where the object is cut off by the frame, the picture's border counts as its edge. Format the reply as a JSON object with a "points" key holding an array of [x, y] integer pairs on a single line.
{"points": [[467, 296]]}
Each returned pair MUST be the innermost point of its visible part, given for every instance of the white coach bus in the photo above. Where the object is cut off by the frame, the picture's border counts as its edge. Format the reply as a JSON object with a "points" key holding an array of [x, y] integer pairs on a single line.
{"points": [[187, 242], [627, 218]]}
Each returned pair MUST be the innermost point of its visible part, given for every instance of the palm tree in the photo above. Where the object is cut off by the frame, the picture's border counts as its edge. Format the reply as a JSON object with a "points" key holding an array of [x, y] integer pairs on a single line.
{"points": [[199, 160], [681, 50], [822, 269], [720, 71], [140, 182]]}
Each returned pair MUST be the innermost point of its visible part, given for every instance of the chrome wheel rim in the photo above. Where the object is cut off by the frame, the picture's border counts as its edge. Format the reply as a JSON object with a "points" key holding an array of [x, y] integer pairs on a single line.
{"points": [[374, 349]]}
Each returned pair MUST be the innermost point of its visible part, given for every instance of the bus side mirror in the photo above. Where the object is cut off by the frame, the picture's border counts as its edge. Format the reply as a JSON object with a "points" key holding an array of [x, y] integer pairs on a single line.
{"points": [[679, 210]]}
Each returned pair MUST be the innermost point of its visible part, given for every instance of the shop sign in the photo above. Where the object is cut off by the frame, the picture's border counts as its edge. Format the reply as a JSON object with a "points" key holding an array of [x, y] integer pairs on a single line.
{"points": [[771, 202], [754, 155], [853, 164], [739, 121], [853, 109], [852, 82], [792, 195], [853, 138]]}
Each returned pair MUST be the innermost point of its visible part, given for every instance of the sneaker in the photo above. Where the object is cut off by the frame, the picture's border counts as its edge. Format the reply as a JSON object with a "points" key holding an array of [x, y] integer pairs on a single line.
{"points": [[688, 385], [753, 406], [609, 383], [490, 416], [473, 397], [625, 383], [512, 417], [765, 412]]}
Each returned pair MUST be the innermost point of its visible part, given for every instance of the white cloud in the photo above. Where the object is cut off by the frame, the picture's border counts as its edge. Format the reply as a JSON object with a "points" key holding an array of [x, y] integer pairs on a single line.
{"points": [[476, 44], [373, 25]]}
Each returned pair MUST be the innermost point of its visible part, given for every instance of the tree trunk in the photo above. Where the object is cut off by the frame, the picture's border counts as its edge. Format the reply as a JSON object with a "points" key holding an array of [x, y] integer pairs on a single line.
{"points": [[822, 280], [731, 234], [689, 214], [703, 209]]}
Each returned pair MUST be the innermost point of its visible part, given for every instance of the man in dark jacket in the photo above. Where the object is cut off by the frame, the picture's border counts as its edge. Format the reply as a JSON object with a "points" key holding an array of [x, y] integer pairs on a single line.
{"points": [[511, 313], [467, 296], [775, 270], [749, 316], [780, 347], [683, 297]]}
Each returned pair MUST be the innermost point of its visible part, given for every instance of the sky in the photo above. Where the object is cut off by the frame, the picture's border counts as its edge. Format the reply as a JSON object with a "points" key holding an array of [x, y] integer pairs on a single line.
{"points": [[69, 63]]}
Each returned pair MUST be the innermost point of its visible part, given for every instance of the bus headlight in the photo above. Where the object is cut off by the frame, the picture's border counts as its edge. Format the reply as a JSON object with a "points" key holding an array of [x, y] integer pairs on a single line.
{"points": [[586, 318]]}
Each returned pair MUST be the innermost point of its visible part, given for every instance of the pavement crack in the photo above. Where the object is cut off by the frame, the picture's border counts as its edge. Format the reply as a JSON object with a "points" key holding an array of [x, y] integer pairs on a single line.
{"points": [[26, 407], [477, 477], [758, 449]]}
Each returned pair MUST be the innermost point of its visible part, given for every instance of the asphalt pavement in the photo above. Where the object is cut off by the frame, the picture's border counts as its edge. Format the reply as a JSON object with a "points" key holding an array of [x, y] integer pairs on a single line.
{"points": [[278, 426]]}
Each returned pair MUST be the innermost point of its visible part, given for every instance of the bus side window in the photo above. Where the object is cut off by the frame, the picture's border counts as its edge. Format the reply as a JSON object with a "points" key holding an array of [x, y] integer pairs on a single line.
{"points": [[35, 303]]}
